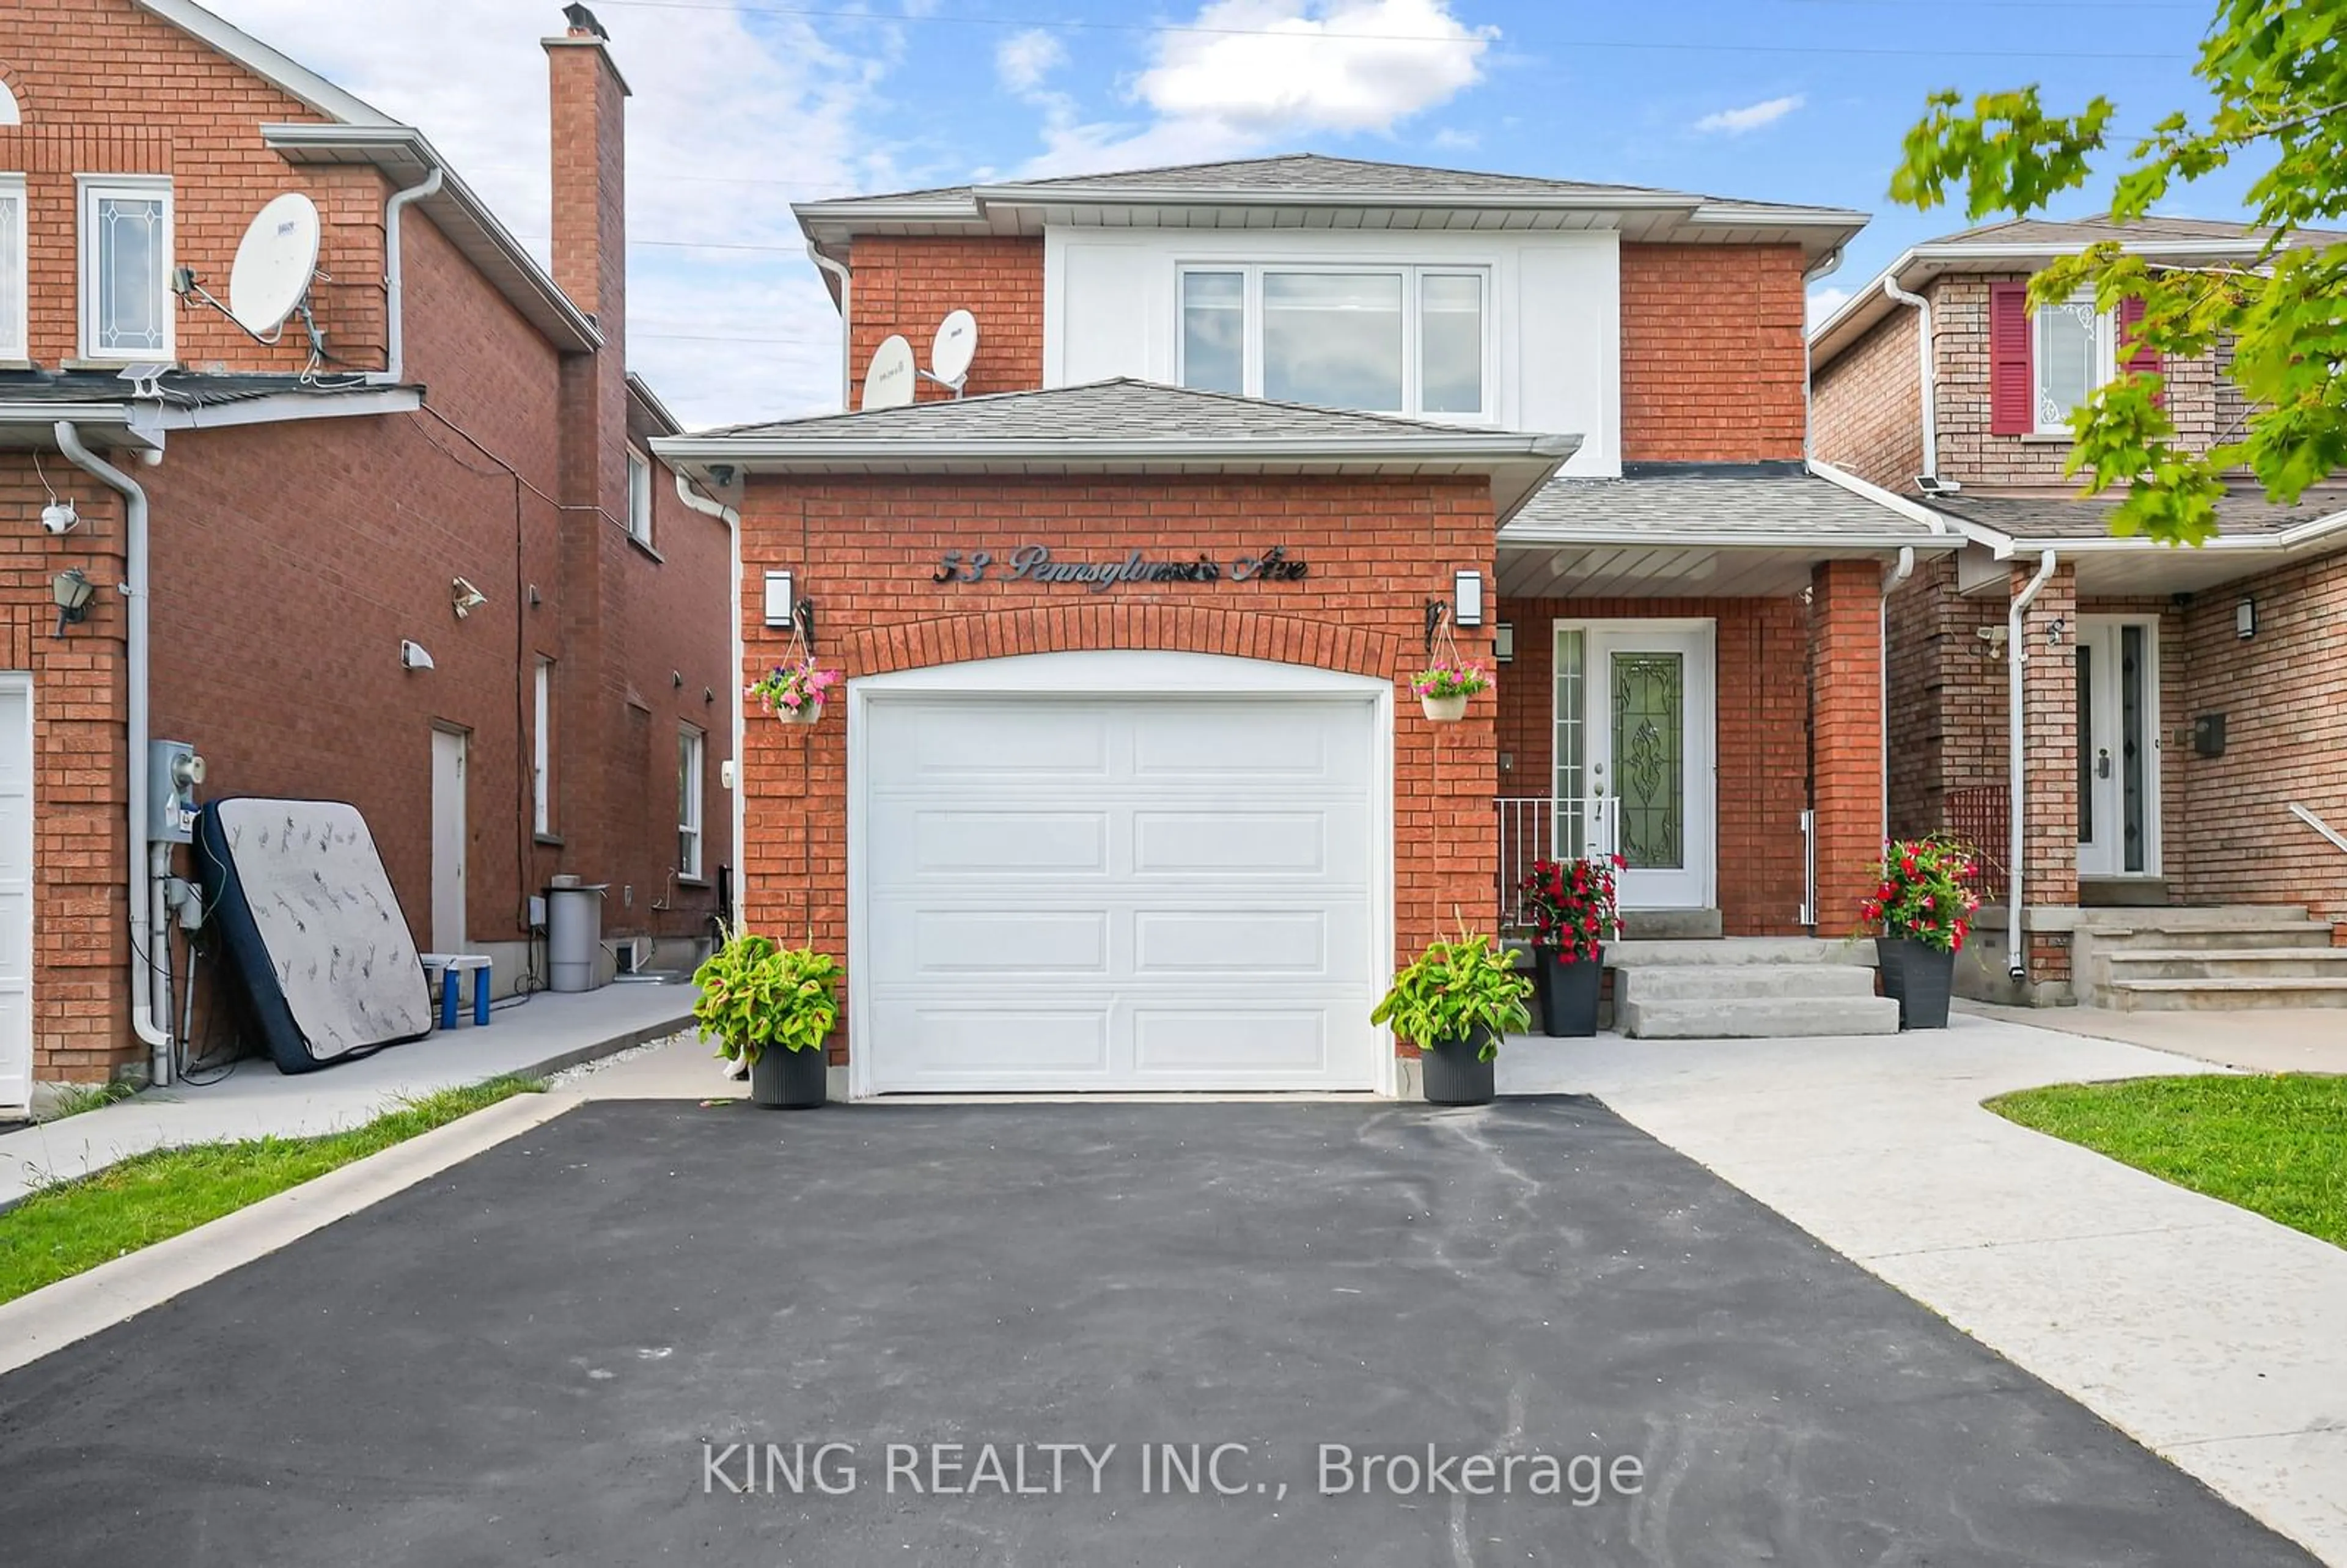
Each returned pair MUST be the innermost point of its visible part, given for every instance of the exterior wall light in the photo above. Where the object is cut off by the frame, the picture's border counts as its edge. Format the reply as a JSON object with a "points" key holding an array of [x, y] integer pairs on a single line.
{"points": [[73, 590], [2053, 631], [1467, 599], [1504, 644], [778, 599], [2245, 620]]}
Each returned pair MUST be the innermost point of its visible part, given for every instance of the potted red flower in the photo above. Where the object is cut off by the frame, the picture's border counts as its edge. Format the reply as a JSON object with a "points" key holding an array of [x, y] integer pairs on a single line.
{"points": [[1571, 905], [1924, 903]]}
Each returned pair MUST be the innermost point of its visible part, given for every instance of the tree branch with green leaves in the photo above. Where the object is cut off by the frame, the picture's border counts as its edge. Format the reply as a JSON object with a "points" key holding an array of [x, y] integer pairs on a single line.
{"points": [[2277, 70]]}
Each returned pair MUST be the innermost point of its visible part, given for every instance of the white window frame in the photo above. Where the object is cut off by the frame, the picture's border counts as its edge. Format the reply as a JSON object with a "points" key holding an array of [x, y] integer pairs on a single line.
{"points": [[93, 189], [1412, 335], [692, 783], [639, 497], [541, 780], [15, 329], [2106, 368]]}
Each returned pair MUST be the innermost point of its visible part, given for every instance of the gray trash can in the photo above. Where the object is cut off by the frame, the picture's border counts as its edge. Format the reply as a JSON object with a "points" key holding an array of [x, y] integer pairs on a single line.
{"points": [[574, 935]]}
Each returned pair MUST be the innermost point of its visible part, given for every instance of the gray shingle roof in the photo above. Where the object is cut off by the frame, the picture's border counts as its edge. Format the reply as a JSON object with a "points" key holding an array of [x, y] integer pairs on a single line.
{"points": [[1764, 500], [1097, 410], [2246, 514], [183, 388], [2051, 231], [1301, 174]]}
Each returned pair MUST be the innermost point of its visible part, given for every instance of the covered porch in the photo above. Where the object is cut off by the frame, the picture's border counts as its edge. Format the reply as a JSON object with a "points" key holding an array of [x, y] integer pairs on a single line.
{"points": [[1691, 678]]}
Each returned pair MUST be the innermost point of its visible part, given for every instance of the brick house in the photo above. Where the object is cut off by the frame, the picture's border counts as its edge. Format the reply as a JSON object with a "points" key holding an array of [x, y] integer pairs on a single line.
{"points": [[2181, 777], [267, 525], [1129, 789]]}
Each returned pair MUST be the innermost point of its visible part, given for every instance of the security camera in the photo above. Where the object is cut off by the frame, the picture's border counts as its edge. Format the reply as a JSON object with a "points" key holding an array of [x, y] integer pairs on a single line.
{"points": [[60, 518]]}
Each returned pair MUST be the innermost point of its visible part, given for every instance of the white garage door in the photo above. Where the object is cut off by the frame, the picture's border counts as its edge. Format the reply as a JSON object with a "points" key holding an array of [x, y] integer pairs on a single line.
{"points": [[15, 892], [1118, 892]]}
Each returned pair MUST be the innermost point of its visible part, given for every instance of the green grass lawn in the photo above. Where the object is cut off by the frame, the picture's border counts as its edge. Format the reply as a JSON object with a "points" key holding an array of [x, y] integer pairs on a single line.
{"points": [[74, 1225], [2275, 1146]]}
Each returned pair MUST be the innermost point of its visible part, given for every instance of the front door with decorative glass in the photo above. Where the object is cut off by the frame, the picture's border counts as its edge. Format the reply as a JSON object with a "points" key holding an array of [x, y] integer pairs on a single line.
{"points": [[2118, 746], [1635, 733]]}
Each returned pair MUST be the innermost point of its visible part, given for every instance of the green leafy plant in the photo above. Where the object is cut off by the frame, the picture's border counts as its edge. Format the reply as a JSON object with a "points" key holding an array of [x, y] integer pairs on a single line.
{"points": [[1925, 893], [1449, 678], [755, 993], [1571, 905], [2277, 78], [1462, 989]]}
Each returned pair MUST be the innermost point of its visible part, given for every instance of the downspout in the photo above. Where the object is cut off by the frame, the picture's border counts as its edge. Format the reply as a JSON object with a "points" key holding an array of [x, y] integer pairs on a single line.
{"points": [[847, 320], [1923, 373], [394, 355], [141, 878], [732, 521], [2015, 844]]}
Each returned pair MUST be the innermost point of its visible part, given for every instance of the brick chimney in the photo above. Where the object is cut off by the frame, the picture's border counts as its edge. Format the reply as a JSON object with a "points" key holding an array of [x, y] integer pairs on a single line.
{"points": [[591, 265]]}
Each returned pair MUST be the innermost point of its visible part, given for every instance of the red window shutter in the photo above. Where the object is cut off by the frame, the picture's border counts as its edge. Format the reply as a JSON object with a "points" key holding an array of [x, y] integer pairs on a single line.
{"points": [[2012, 391], [2132, 356]]}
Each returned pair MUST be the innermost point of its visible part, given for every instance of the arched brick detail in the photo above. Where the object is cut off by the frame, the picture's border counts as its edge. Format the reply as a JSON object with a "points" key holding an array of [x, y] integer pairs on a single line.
{"points": [[1157, 628], [12, 82]]}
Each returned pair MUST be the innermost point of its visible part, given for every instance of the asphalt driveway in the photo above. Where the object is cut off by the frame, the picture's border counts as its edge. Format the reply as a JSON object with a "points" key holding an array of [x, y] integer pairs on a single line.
{"points": [[551, 1353]]}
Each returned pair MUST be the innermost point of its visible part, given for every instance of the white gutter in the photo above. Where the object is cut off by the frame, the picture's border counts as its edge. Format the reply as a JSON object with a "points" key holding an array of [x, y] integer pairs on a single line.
{"points": [[846, 321], [140, 877], [2015, 823], [732, 521], [394, 359], [1930, 402], [786, 453]]}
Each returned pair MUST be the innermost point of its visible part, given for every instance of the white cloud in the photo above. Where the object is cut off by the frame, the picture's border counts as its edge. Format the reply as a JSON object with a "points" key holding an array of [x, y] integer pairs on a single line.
{"points": [[1824, 302], [1247, 73], [731, 122], [1023, 59], [1751, 116]]}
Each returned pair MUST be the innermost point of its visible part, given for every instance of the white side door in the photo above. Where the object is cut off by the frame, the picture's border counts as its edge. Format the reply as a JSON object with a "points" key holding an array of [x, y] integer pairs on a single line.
{"points": [[2118, 746], [447, 841], [1643, 783], [15, 892]]}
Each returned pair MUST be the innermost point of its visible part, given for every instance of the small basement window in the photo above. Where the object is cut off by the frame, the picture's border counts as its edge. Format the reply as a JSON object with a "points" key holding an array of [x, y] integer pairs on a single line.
{"points": [[125, 268]]}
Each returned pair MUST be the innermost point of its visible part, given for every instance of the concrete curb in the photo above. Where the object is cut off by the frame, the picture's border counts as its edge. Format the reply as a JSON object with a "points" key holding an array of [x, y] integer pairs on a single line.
{"points": [[56, 1315], [602, 1048]]}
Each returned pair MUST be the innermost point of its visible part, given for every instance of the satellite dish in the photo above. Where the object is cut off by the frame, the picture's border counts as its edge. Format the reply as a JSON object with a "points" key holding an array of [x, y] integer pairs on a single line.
{"points": [[274, 263], [888, 379], [955, 346]]}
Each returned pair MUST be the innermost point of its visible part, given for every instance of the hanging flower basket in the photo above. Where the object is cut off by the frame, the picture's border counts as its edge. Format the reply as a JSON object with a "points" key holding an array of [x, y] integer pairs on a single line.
{"points": [[795, 692], [1444, 686]]}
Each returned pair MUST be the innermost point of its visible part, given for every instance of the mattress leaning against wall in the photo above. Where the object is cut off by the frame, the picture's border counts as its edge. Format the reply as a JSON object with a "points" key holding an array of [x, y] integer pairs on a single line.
{"points": [[310, 929]]}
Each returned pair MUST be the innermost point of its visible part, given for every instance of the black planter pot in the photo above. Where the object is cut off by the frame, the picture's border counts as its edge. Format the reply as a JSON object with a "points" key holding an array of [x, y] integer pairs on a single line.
{"points": [[789, 1079], [1888, 951], [1926, 978], [1568, 992], [1454, 1073]]}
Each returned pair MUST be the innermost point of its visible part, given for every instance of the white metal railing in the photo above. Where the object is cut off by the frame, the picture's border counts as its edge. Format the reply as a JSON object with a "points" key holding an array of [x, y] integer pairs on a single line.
{"points": [[2316, 822], [1528, 828], [1808, 868]]}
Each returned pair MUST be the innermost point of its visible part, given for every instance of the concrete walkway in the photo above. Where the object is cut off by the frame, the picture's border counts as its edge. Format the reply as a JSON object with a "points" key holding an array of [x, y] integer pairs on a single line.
{"points": [[2212, 1336], [2254, 1039], [543, 1034]]}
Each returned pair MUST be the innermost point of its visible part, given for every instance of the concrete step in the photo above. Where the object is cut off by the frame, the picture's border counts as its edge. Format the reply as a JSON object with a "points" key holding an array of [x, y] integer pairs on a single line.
{"points": [[2223, 963], [2198, 994], [1759, 1018], [2278, 933], [1739, 951], [1713, 982]]}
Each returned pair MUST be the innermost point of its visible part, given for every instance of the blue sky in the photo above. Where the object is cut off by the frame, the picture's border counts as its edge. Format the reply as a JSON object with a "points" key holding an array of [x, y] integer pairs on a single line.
{"points": [[741, 106]]}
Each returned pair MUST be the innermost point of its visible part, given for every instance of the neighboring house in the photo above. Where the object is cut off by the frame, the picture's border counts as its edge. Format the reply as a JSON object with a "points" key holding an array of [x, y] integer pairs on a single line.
{"points": [[1127, 788], [463, 417], [2183, 741]]}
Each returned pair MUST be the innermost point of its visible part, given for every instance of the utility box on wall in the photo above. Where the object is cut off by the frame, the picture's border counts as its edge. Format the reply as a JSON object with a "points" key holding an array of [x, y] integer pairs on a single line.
{"points": [[173, 771], [2209, 735]]}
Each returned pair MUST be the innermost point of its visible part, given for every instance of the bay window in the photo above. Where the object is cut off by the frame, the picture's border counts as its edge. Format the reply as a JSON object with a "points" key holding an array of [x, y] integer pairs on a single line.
{"points": [[1380, 340]]}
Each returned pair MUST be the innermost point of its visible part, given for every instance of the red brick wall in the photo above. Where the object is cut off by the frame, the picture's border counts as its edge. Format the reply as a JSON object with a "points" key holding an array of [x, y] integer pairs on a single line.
{"points": [[1866, 414], [1712, 359], [196, 119], [2049, 685], [908, 284], [1762, 741], [866, 549], [1845, 735], [1947, 718]]}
